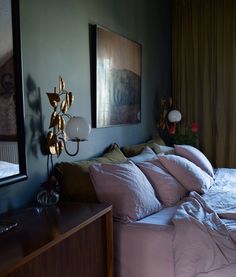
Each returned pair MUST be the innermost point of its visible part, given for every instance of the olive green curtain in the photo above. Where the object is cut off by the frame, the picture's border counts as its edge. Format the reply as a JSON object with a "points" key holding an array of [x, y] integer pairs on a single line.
{"points": [[204, 73]]}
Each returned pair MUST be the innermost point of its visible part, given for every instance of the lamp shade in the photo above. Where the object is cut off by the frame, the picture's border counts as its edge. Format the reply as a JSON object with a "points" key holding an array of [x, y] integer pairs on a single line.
{"points": [[77, 128], [174, 116]]}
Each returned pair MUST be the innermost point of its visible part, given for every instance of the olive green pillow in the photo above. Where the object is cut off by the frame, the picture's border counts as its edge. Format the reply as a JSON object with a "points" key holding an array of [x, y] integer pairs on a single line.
{"points": [[74, 177], [158, 140], [133, 150]]}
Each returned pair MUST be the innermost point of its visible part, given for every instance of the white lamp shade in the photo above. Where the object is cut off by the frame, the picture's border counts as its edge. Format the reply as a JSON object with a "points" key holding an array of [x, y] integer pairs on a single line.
{"points": [[77, 128], [174, 116]]}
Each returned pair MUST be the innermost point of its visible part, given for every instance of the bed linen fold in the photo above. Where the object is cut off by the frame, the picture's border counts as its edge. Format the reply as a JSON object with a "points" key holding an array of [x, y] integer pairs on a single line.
{"points": [[225, 271], [222, 195], [197, 230]]}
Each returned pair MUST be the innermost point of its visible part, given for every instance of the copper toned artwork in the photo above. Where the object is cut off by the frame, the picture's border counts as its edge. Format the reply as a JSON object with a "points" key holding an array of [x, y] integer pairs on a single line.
{"points": [[118, 79]]}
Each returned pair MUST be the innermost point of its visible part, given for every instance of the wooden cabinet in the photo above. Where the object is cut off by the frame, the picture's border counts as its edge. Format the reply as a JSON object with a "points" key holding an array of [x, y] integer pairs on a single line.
{"points": [[70, 239]]}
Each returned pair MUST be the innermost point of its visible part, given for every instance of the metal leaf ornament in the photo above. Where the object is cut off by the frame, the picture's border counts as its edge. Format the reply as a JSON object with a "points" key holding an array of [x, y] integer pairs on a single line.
{"points": [[54, 98], [61, 84], [60, 101], [70, 98], [165, 107], [64, 106]]}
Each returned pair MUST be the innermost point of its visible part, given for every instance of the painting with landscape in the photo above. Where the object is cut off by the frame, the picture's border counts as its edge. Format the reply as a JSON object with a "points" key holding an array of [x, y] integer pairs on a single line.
{"points": [[118, 79]]}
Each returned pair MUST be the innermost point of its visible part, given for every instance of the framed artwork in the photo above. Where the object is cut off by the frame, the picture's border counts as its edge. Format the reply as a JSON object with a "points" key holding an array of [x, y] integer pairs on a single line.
{"points": [[117, 77]]}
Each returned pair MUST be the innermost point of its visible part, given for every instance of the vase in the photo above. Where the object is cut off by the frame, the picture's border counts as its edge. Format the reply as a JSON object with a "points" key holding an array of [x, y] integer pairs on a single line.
{"points": [[47, 198]]}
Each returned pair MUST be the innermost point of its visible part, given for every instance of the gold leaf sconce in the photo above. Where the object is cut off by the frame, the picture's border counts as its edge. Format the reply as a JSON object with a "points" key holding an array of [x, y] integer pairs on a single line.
{"points": [[63, 126]]}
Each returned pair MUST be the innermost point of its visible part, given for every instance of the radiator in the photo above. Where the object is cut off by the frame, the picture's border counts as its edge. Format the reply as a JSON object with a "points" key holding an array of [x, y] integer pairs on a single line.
{"points": [[9, 151]]}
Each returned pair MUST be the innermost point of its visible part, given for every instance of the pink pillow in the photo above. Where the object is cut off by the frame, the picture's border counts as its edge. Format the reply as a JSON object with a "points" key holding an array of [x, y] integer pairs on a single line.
{"points": [[196, 156], [146, 155], [168, 189], [187, 173], [126, 188]]}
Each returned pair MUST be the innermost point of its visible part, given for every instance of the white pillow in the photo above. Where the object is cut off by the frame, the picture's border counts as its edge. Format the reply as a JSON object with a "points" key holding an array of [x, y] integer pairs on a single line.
{"points": [[166, 149], [196, 156], [192, 177], [146, 155], [168, 189], [126, 188]]}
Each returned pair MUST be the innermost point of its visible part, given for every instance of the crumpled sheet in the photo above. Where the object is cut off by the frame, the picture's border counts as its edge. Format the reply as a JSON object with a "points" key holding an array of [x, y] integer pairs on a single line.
{"points": [[222, 195], [202, 244]]}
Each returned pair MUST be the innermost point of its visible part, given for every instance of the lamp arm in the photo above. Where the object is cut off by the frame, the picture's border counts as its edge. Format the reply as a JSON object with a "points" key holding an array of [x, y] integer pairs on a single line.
{"points": [[64, 144], [67, 115]]}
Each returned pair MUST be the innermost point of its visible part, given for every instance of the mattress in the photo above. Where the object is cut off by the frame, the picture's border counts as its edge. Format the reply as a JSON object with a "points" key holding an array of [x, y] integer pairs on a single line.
{"points": [[144, 248]]}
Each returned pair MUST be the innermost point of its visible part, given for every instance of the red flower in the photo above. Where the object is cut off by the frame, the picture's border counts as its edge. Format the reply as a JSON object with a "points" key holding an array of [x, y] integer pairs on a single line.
{"points": [[194, 127], [172, 129]]}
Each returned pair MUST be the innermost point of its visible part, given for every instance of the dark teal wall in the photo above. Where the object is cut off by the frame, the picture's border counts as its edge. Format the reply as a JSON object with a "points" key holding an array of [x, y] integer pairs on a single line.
{"points": [[55, 41]]}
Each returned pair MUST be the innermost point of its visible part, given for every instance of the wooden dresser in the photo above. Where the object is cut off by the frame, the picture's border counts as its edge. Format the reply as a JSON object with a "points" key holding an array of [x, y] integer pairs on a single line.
{"points": [[69, 239]]}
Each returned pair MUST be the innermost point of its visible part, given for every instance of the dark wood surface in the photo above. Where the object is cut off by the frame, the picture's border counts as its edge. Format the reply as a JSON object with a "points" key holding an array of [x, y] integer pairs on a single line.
{"points": [[69, 239]]}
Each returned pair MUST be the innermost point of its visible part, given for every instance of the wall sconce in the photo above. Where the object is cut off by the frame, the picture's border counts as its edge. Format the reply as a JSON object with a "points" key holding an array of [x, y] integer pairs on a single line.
{"points": [[165, 107], [174, 116], [76, 129]]}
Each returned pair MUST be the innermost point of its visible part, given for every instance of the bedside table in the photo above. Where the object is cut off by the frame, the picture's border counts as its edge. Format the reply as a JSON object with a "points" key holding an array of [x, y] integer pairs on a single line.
{"points": [[69, 239]]}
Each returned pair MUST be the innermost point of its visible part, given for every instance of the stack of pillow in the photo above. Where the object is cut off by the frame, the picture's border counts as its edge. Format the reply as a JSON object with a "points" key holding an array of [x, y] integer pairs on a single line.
{"points": [[75, 182], [74, 179], [139, 180], [148, 181]]}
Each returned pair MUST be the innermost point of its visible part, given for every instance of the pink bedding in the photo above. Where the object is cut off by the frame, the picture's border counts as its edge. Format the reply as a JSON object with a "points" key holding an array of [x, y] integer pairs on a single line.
{"points": [[187, 240], [144, 248]]}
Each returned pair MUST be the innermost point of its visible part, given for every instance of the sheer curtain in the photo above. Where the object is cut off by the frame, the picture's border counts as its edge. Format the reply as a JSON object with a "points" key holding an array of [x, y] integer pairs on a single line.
{"points": [[204, 73]]}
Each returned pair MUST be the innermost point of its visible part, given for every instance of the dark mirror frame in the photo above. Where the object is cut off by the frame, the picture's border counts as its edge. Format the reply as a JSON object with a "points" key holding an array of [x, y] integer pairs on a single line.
{"points": [[15, 11]]}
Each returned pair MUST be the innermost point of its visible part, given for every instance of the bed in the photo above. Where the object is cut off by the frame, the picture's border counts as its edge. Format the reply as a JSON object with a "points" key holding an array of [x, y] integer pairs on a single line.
{"points": [[9, 162], [145, 247], [137, 246], [174, 216], [8, 169]]}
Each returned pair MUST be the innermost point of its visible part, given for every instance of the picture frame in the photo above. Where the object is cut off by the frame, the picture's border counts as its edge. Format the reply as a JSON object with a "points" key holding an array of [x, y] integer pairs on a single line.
{"points": [[116, 79]]}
